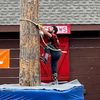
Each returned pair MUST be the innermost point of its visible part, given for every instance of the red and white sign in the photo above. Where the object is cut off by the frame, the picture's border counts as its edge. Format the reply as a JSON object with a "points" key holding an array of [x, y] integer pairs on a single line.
{"points": [[62, 28]]}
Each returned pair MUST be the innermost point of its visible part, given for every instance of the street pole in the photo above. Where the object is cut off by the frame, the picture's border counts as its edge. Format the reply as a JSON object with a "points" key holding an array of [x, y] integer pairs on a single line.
{"points": [[29, 73]]}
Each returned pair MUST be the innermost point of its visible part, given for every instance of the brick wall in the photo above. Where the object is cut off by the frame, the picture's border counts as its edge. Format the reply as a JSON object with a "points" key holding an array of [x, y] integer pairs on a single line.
{"points": [[54, 11]]}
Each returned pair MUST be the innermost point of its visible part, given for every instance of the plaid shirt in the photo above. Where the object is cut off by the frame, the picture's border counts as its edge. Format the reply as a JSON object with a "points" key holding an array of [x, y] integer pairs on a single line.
{"points": [[54, 41]]}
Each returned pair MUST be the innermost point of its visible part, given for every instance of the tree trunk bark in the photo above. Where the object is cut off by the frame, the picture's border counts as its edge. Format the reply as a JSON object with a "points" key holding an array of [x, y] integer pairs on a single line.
{"points": [[29, 45]]}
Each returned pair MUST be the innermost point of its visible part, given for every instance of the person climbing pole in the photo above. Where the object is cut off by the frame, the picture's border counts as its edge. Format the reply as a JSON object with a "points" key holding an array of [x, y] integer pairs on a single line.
{"points": [[55, 52], [53, 47]]}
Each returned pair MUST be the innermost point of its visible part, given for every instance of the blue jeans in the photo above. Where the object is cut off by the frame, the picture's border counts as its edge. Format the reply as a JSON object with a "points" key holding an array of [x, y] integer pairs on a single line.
{"points": [[55, 56]]}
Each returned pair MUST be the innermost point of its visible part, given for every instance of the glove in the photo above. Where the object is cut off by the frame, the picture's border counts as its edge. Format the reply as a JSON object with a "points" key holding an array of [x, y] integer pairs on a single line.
{"points": [[41, 33]]}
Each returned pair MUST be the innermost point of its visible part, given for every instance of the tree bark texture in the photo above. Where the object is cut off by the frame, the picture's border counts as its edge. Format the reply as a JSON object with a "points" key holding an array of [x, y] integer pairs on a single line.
{"points": [[29, 45]]}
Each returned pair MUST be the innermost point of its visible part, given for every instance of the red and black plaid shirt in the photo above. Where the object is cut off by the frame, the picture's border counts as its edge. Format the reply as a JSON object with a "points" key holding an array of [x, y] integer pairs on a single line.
{"points": [[54, 41]]}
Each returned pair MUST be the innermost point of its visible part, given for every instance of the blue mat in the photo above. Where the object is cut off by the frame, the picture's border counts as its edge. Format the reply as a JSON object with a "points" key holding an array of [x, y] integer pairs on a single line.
{"points": [[75, 93], [67, 91]]}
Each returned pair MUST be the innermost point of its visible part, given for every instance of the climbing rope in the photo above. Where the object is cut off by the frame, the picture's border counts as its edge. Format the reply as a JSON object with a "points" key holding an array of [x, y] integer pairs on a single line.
{"points": [[33, 22]]}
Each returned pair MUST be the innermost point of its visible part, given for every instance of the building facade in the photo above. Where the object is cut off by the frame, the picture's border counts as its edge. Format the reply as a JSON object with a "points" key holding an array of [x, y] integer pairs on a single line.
{"points": [[84, 41]]}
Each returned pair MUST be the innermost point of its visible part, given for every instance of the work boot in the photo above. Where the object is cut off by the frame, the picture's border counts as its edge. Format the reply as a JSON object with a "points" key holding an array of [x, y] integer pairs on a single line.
{"points": [[55, 78]]}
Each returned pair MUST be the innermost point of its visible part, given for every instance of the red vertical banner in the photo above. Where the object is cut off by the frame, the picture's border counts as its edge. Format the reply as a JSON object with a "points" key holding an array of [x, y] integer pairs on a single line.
{"points": [[4, 58]]}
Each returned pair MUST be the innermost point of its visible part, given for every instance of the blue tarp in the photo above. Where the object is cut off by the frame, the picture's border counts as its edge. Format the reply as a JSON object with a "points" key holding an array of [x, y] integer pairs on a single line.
{"points": [[74, 93]]}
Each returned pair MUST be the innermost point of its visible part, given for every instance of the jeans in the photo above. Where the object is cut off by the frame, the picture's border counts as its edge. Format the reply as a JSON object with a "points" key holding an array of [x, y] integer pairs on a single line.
{"points": [[55, 56]]}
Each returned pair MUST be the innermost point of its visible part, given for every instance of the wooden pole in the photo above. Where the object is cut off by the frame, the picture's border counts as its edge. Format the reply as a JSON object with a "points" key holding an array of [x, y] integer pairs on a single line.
{"points": [[29, 45]]}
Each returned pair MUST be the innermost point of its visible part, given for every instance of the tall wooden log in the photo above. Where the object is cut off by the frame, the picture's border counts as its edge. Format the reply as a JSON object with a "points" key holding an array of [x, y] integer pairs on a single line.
{"points": [[29, 45]]}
